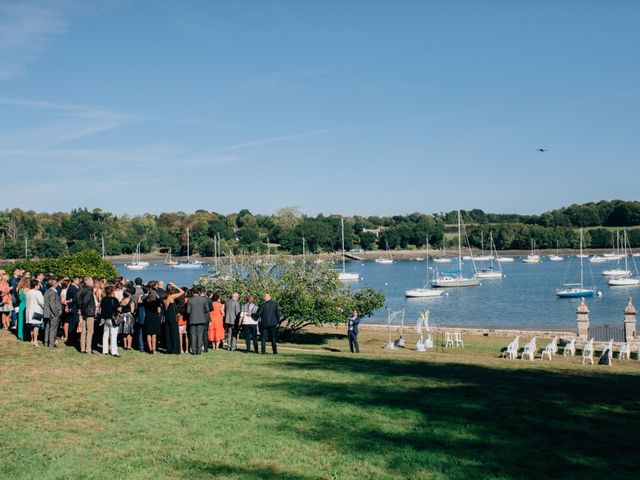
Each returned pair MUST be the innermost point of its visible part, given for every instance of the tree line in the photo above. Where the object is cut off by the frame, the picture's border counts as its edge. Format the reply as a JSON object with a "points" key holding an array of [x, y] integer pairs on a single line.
{"points": [[29, 234]]}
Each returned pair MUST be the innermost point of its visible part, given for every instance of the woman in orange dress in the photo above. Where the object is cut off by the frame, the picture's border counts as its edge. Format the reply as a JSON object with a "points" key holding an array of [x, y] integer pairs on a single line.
{"points": [[216, 326]]}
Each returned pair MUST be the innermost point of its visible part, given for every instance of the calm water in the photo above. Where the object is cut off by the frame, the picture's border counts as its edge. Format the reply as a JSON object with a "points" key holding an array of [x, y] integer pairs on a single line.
{"points": [[525, 298]]}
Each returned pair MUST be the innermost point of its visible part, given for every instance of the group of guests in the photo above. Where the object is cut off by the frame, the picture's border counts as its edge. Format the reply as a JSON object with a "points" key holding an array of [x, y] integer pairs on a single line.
{"points": [[44, 308]]}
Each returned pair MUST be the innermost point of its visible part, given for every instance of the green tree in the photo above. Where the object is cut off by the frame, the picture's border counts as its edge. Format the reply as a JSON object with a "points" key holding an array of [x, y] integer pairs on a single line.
{"points": [[308, 293]]}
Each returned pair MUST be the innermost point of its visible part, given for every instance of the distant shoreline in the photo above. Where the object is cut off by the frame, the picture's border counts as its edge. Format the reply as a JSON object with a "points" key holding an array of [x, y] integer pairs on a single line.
{"points": [[368, 255]]}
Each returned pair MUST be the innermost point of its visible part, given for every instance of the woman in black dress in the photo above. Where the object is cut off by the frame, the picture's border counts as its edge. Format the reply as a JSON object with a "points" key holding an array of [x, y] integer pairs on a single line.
{"points": [[152, 305], [172, 335]]}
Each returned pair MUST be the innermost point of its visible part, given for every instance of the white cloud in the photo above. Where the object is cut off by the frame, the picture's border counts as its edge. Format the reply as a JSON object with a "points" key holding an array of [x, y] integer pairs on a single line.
{"points": [[25, 32]]}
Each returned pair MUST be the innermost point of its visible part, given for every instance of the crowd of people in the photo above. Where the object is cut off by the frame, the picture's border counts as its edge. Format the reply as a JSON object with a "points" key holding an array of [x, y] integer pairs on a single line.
{"points": [[46, 310]]}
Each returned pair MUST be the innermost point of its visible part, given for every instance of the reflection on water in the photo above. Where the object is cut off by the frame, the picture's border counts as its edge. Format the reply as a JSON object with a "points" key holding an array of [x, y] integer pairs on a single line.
{"points": [[525, 298]]}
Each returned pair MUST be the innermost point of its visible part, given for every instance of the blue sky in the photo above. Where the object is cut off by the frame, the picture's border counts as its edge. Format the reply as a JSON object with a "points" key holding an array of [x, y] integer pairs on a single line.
{"points": [[358, 107]]}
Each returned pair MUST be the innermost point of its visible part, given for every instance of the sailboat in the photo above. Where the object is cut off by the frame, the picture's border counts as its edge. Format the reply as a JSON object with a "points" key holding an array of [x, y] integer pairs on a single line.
{"points": [[443, 258], [169, 261], [556, 257], [625, 279], [454, 278], [189, 264], [533, 257], [136, 264], [344, 275], [426, 291], [577, 290], [618, 272], [386, 261], [609, 257], [482, 257], [489, 272]]}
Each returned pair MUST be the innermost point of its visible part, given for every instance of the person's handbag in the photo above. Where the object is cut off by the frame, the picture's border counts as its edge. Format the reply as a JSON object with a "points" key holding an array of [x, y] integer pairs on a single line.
{"points": [[36, 318]]}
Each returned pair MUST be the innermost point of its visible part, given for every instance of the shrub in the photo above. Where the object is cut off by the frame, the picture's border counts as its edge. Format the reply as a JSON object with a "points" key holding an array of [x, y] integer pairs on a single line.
{"points": [[87, 263]]}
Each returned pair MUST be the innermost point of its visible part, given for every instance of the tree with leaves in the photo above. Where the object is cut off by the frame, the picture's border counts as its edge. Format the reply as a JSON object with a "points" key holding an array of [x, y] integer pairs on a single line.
{"points": [[308, 293]]}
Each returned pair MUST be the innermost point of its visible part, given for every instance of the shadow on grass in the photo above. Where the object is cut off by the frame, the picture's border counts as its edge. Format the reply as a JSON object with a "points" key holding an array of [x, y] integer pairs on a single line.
{"points": [[469, 421], [312, 338], [250, 471]]}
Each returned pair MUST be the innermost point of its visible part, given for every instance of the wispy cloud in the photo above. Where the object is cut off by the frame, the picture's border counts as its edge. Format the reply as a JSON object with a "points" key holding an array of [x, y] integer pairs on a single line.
{"points": [[25, 31], [71, 122], [283, 138]]}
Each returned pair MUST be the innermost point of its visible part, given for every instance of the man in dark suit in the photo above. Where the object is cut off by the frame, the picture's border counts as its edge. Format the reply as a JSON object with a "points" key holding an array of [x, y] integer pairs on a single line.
{"points": [[74, 314], [268, 316], [52, 312], [353, 322], [198, 313]]}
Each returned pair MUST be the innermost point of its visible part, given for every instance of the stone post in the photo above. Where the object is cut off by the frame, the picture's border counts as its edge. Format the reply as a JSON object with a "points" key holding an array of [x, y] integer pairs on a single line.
{"points": [[583, 320], [629, 321]]}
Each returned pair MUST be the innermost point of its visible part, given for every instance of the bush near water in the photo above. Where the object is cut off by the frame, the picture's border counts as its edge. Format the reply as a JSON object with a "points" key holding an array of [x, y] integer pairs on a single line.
{"points": [[88, 263]]}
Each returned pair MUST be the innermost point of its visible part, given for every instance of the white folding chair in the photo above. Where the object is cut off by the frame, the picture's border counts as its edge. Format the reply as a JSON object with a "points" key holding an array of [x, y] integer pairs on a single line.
{"points": [[550, 349], [512, 349], [530, 349], [448, 339], [587, 352], [457, 339], [625, 349], [570, 348]]}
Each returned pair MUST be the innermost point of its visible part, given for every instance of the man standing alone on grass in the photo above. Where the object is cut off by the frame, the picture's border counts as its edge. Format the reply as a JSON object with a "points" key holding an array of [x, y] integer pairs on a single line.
{"points": [[231, 312], [52, 313], [268, 316], [87, 308], [352, 331], [353, 322]]}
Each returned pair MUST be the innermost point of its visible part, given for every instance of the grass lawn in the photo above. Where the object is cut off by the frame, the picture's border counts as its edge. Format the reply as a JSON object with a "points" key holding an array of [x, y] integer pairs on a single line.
{"points": [[315, 412]]}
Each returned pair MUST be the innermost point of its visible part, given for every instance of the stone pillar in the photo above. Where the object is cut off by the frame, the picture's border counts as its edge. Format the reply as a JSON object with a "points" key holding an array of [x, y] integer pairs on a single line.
{"points": [[629, 321], [583, 320]]}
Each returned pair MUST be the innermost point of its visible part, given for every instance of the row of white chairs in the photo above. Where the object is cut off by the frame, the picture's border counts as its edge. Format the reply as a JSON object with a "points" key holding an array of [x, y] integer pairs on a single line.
{"points": [[453, 339], [623, 351], [552, 348]]}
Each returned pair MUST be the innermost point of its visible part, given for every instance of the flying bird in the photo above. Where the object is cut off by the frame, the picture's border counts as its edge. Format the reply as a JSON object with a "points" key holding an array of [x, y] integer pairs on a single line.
{"points": [[541, 150]]}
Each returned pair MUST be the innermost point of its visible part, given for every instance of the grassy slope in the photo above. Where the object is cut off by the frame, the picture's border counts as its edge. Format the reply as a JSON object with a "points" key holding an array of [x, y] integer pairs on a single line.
{"points": [[320, 413]]}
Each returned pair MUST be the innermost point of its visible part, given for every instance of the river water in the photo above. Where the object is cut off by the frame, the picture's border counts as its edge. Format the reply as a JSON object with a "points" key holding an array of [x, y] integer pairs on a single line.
{"points": [[525, 298]]}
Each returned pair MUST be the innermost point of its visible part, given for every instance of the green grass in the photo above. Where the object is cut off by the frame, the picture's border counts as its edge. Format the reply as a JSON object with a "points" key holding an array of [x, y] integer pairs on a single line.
{"points": [[316, 412]]}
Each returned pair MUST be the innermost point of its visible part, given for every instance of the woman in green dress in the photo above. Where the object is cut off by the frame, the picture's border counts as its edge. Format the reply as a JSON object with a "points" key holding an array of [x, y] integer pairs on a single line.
{"points": [[23, 288]]}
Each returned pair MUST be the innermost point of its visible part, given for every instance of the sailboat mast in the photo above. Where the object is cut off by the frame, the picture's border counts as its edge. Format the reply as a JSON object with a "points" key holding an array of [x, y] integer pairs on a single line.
{"points": [[343, 264], [581, 259], [459, 246], [188, 246], [427, 261]]}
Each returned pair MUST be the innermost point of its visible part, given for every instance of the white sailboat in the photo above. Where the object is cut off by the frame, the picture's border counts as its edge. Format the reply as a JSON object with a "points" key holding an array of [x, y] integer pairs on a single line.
{"points": [[189, 264], [443, 258], [556, 257], [136, 264], [533, 257], [625, 279], [385, 261], [489, 272], [426, 291], [482, 257], [617, 273], [455, 278], [577, 290], [344, 275], [169, 261]]}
